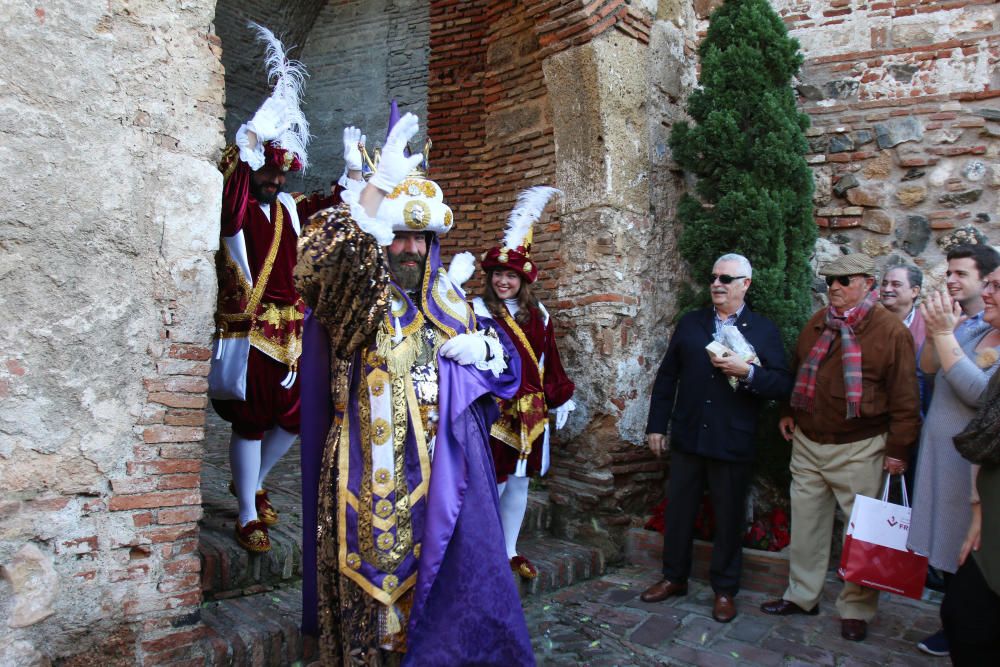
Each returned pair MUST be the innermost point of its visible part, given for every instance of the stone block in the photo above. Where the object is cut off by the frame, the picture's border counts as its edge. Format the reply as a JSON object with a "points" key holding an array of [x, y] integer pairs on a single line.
{"points": [[33, 578], [988, 113], [870, 194], [862, 137], [913, 173], [894, 132], [822, 190], [840, 143], [974, 170], [914, 234], [911, 195], [956, 199], [879, 167], [876, 220], [876, 247], [967, 235], [845, 183]]}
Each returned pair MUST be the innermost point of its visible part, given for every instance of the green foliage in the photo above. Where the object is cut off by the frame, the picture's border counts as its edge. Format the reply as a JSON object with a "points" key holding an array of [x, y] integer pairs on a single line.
{"points": [[754, 189], [747, 148]]}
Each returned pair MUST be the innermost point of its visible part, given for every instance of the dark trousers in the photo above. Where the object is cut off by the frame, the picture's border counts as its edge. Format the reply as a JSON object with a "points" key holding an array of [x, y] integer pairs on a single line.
{"points": [[970, 614], [727, 485]]}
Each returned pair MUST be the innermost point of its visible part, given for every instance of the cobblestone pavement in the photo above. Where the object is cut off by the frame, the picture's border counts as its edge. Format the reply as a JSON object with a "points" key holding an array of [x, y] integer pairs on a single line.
{"points": [[602, 622]]}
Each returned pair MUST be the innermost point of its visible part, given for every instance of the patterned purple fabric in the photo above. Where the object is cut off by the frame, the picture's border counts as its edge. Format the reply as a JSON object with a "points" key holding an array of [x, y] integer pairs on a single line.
{"points": [[466, 609]]}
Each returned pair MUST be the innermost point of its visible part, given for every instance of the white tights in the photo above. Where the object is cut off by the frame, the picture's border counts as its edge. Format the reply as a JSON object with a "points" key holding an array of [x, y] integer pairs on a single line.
{"points": [[513, 503], [251, 461]]}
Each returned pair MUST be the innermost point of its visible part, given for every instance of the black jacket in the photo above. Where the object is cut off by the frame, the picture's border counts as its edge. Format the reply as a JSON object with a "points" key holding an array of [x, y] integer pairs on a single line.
{"points": [[704, 414]]}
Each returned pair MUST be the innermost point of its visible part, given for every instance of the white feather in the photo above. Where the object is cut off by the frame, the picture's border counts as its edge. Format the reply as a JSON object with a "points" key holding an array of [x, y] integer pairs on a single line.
{"points": [[529, 207], [462, 266], [288, 77]]}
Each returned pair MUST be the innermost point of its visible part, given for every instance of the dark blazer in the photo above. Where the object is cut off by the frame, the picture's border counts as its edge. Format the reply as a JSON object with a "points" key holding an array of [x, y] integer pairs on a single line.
{"points": [[704, 414]]}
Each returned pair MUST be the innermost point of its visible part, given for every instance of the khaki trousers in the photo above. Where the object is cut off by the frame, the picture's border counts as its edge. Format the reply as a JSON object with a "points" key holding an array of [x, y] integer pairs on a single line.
{"points": [[824, 476]]}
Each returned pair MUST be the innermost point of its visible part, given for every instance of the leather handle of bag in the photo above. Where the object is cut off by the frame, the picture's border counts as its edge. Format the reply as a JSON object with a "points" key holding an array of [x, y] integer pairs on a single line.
{"points": [[265, 272]]}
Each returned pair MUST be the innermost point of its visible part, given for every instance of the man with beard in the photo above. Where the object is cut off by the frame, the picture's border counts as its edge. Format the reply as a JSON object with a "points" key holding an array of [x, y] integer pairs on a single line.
{"points": [[253, 380], [403, 550]]}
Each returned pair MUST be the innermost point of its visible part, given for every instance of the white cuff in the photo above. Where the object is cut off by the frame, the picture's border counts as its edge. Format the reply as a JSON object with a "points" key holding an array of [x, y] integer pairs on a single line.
{"points": [[496, 363], [381, 230], [254, 157]]}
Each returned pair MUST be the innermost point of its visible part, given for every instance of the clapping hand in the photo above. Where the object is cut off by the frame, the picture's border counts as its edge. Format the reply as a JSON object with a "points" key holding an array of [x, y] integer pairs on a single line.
{"points": [[940, 313]]}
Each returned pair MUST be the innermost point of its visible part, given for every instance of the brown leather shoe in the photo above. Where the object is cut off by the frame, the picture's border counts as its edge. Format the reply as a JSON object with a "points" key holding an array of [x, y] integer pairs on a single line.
{"points": [[853, 629], [662, 590], [782, 607], [724, 609]]}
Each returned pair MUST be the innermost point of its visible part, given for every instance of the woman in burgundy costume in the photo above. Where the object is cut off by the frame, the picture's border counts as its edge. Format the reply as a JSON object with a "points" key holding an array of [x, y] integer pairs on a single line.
{"points": [[520, 437]]}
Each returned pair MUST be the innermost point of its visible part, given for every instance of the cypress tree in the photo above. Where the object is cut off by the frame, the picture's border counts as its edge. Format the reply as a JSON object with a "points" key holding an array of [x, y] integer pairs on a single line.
{"points": [[746, 146]]}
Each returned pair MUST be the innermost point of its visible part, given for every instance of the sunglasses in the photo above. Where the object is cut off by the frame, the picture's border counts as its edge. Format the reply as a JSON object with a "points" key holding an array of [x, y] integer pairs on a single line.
{"points": [[725, 278], [843, 280]]}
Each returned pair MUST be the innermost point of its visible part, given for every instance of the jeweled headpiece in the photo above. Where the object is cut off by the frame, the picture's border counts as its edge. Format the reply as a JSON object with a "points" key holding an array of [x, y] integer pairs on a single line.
{"points": [[515, 253]]}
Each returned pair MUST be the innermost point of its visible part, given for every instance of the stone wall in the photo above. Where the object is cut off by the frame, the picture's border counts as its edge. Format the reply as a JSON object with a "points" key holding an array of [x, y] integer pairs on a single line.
{"points": [[110, 126], [905, 137], [361, 54]]}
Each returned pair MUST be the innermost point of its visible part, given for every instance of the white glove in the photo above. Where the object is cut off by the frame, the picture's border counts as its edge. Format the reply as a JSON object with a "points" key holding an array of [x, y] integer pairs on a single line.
{"points": [[352, 154], [269, 121], [465, 349], [394, 167], [562, 413]]}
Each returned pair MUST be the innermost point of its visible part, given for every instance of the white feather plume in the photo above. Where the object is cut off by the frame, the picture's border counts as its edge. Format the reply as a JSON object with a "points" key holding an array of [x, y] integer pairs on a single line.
{"points": [[529, 207], [462, 266], [288, 79]]}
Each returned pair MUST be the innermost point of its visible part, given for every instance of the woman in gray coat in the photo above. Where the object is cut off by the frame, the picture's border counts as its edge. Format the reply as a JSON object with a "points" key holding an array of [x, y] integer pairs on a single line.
{"points": [[965, 362]]}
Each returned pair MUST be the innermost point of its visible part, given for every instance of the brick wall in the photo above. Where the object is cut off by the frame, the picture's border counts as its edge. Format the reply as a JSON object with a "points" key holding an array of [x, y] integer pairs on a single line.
{"points": [[489, 111]]}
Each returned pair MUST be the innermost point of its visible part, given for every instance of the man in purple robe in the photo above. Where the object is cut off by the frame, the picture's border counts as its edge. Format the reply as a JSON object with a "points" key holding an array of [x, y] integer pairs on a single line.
{"points": [[402, 526]]}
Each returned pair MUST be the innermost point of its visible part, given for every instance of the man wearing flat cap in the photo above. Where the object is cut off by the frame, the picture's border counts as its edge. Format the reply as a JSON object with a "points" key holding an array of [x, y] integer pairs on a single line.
{"points": [[854, 413]]}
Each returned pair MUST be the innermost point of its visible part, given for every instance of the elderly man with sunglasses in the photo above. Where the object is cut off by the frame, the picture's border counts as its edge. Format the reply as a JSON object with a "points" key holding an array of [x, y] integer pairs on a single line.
{"points": [[854, 413], [712, 426]]}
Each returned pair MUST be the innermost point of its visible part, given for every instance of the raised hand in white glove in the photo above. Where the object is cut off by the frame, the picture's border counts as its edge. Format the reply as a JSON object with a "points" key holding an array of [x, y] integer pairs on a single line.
{"points": [[269, 121], [465, 349], [562, 413], [352, 154], [393, 166]]}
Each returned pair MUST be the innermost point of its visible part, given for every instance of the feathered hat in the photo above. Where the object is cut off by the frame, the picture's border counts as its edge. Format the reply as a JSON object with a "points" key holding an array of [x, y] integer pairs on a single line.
{"points": [[287, 151], [417, 203], [515, 253]]}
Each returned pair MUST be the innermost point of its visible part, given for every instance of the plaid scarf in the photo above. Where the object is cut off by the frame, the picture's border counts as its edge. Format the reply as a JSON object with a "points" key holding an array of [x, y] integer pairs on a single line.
{"points": [[805, 383]]}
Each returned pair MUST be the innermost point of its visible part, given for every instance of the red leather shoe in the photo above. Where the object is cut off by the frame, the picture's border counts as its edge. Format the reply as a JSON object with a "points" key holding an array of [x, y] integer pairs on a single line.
{"points": [[523, 567], [253, 537], [265, 510]]}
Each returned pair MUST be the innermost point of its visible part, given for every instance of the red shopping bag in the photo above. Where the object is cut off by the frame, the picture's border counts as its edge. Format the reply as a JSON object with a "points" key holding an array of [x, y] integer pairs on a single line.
{"points": [[875, 553]]}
